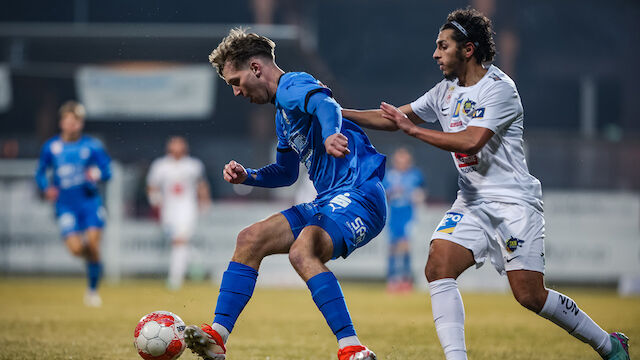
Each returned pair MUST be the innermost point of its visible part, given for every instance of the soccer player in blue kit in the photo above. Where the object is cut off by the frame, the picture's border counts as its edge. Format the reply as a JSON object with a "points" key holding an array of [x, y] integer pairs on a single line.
{"points": [[346, 170], [79, 162], [403, 184]]}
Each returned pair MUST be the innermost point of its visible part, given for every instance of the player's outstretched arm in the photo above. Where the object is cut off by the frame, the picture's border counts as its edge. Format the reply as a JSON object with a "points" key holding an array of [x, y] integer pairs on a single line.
{"points": [[373, 119], [468, 141], [283, 173]]}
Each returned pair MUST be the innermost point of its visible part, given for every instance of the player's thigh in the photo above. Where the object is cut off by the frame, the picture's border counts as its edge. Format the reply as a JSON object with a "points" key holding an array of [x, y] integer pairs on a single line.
{"points": [[447, 259], [74, 243], [272, 235], [520, 237], [313, 242]]}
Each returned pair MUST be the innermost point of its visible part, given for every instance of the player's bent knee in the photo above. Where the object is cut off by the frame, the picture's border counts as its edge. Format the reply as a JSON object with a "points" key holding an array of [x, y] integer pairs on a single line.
{"points": [[250, 241], [530, 300], [298, 255], [436, 270]]}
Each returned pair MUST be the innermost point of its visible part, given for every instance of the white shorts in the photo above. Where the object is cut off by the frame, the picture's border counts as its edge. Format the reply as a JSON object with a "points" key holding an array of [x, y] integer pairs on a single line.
{"points": [[512, 234]]}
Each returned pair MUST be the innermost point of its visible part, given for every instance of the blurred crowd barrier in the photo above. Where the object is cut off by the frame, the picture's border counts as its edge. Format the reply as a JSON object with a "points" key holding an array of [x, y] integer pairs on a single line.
{"points": [[592, 238]]}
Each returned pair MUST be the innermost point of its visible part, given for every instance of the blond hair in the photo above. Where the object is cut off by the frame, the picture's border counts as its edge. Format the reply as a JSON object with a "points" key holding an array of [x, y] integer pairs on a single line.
{"points": [[74, 108], [238, 47]]}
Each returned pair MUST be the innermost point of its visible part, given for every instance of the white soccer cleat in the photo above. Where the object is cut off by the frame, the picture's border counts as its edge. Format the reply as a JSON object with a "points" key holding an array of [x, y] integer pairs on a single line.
{"points": [[356, 352], [205, 342], [92, 299]]}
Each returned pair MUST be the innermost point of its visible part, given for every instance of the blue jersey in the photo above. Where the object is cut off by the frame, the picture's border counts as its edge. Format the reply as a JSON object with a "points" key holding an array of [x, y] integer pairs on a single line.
{"points": [[401, 185], [299, 129], [70, 162]]}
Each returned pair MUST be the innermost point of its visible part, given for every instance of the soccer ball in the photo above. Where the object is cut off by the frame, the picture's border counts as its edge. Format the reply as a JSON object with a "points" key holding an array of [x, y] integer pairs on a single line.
{"points": [[159, 336]]}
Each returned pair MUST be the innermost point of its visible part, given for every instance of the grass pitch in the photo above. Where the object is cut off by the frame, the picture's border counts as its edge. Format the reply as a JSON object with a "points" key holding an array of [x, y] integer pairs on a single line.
{"points": [[45, 319]]}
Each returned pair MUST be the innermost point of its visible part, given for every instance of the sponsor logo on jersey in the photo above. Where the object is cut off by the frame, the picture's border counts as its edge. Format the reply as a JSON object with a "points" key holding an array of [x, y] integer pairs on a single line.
{"points": [[455, 124], [465, 160], [449, 222], [339, 202], [513, 244], [468, 107], [478, 114], [495, 77]]}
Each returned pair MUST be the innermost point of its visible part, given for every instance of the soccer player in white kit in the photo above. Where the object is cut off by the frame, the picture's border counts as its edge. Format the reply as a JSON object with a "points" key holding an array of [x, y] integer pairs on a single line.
{"points": [[498, 213], [176, 185]]}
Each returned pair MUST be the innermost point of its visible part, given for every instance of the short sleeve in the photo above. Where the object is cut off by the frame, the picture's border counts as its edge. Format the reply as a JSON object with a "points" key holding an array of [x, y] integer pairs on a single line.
{"points": [[154, 177], [425, 106], [497, 107]]}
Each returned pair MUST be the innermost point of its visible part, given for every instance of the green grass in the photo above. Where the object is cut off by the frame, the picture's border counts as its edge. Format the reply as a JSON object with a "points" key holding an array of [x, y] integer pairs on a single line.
{"points": [[45, 319]]}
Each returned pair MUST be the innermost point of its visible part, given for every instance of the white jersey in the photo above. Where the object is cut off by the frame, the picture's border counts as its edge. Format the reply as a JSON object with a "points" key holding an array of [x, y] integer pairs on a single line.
{"points": [[177, 181], [499, 171]]}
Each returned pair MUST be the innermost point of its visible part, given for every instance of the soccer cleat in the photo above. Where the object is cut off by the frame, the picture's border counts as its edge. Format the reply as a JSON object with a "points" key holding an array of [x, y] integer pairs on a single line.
{"points": [[619, 346], [356, 352], [92, 299], [205, 342]]}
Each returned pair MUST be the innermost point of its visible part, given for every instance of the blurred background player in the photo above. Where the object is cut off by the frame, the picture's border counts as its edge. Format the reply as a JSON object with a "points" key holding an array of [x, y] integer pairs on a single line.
{"points": [[346, 171], [498, 213], [404, 186], [177, 187], [78, 162]]}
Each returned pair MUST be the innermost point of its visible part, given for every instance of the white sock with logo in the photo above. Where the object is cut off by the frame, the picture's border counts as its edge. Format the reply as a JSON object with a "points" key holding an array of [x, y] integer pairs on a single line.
{"points": [[448, 315], [564, 312]]}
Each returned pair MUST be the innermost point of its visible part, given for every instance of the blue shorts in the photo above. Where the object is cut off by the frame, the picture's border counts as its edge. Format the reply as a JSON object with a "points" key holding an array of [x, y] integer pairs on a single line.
{"points": [[399, 221], [78, 217], [351, 217]]}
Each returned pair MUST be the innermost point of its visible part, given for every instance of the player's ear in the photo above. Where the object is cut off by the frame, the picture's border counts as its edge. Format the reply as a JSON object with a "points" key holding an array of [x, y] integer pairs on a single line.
{"points": [[469, 49], [256, 68]]}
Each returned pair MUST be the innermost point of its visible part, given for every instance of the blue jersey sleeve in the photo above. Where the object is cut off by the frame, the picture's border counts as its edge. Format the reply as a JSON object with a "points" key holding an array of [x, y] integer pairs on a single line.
{"points": [[328, 112], [43, 164], [101, 159], [283, 173]]}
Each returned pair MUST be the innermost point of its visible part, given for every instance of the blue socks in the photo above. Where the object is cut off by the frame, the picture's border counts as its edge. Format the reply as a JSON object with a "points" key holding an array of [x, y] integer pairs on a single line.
{"points": [[94, 272], [236, 289], [327, 295]]}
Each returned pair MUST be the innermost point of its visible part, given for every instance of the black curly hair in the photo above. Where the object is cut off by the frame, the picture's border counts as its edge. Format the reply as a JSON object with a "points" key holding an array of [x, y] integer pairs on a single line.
{"points": [[475, 28]]}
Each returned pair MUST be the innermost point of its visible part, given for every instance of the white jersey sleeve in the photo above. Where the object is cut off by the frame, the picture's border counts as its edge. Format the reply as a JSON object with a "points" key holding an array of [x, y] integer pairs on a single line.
{"points": [[426, 106], [497, 107], [154, 177]]}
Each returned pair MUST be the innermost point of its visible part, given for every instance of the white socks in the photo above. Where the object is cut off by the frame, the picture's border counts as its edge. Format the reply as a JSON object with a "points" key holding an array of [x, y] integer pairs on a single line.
{"points": [[565, 313], [448, 315], [178, 265], [348, 341], [222, 331]]}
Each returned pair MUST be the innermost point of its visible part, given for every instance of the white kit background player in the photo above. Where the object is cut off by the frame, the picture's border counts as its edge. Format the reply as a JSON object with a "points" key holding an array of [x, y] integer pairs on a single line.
{"points": [[177, 187], [498, 213]]}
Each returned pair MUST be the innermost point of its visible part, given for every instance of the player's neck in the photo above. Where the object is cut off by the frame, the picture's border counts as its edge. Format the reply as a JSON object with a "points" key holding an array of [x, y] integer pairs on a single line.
{"points": [[472, 73], [273, 79], [70, 137]]}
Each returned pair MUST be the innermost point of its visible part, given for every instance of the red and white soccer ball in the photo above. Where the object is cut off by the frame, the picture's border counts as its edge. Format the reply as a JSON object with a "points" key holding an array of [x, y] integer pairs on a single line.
{"points": [[159, 336]]}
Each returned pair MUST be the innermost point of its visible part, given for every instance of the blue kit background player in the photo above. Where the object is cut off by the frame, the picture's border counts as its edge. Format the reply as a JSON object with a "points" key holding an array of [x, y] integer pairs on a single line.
{"points": [[346, 170], [78, 162], [404, 186]]}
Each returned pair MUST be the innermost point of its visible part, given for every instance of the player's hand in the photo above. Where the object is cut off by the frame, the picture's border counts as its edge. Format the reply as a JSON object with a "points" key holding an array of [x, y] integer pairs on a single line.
{"points": [[51, 193], [93, 174], [336, 145], [399, 118], [234, 173]]}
